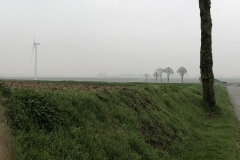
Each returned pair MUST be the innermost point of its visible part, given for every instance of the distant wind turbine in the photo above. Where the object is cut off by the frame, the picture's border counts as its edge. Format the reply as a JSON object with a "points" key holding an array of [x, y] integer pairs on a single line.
{"points": [[35, 48]]}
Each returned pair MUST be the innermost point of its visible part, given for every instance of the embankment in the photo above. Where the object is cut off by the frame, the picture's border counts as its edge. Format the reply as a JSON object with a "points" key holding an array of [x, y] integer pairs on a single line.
{"points": [[119, 121]]}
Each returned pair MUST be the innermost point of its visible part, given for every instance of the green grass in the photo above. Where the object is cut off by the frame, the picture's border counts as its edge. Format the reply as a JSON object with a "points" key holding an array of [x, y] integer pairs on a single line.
{"points": [[239, 85], [5, 134], [141, 121]]}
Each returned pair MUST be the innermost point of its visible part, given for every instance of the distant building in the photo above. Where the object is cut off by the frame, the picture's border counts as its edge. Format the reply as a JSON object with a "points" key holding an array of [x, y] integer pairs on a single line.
{"points": [[102, 75]]}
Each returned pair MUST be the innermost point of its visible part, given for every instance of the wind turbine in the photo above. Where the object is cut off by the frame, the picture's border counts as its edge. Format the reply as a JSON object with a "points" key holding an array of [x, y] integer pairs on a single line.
{"points": [[35, 48]]}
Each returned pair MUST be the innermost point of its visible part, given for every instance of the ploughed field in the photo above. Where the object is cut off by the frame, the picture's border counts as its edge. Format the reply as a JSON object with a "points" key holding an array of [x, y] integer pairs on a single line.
{"points": [[56, 85], [97, 120]]}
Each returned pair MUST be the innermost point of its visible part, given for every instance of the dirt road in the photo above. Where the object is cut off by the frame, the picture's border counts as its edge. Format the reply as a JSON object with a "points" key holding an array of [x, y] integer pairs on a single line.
{"points": [[234, 94]]}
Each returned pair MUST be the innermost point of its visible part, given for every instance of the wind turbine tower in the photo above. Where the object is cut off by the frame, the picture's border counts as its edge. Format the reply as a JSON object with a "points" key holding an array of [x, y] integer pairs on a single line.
{"points": [[35, 48]]}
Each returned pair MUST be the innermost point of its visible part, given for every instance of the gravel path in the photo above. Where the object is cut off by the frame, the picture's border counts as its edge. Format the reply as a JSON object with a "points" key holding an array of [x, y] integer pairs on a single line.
{"points": [[234, 94]]}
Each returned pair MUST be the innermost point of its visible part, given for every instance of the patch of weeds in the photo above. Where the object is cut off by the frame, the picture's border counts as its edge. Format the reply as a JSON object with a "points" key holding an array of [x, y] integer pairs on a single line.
{"points": [[34, 108], [6, 92], [137, 121]]}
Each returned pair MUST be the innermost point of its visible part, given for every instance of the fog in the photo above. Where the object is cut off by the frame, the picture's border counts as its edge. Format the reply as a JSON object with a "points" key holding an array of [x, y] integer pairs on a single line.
{"points": [[82, 38]]}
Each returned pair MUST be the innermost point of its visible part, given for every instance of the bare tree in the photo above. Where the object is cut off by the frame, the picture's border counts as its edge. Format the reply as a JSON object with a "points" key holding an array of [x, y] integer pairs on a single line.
{"points": [[146, 75], [156, 74], [160, 72], [206, 60], [168, 71], [181, 71]]}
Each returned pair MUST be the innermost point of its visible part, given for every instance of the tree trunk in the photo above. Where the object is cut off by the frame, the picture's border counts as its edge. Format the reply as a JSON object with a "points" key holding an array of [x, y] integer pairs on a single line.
{"points": [[168, 78], [182, 79], [161, 79], [156, 79], [206, 61]]}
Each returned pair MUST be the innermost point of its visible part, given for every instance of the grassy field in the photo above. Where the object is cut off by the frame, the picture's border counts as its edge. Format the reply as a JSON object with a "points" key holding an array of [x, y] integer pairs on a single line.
{"points": [[119, 121]]}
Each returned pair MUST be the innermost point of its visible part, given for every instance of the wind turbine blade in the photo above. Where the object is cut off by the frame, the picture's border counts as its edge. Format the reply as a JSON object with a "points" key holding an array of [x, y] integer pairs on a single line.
{"points": [[34, 35], [32, 51], [33, 46]]}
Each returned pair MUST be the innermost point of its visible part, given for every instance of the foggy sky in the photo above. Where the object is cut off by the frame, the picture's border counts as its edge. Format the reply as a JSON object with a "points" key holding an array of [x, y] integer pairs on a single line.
{"points": [[80, 38]]}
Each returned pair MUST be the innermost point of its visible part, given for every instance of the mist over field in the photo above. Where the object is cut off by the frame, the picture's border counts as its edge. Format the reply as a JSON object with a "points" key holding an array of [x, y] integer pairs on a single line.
{"points": [[119, 79], [119, 38]]}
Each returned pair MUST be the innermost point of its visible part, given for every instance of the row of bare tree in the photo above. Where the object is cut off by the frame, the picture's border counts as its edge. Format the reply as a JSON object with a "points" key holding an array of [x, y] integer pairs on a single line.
{"points": [[168, 71], [206, 59]]}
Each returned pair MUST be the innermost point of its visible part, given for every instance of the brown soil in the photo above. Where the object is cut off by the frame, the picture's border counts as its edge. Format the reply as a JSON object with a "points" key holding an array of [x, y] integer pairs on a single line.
{"points": [[60, 86]]}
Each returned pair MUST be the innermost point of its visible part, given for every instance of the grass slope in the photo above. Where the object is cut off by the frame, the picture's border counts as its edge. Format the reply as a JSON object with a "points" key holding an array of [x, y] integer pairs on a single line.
{"points": [[139, 121], [5, 147]]}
